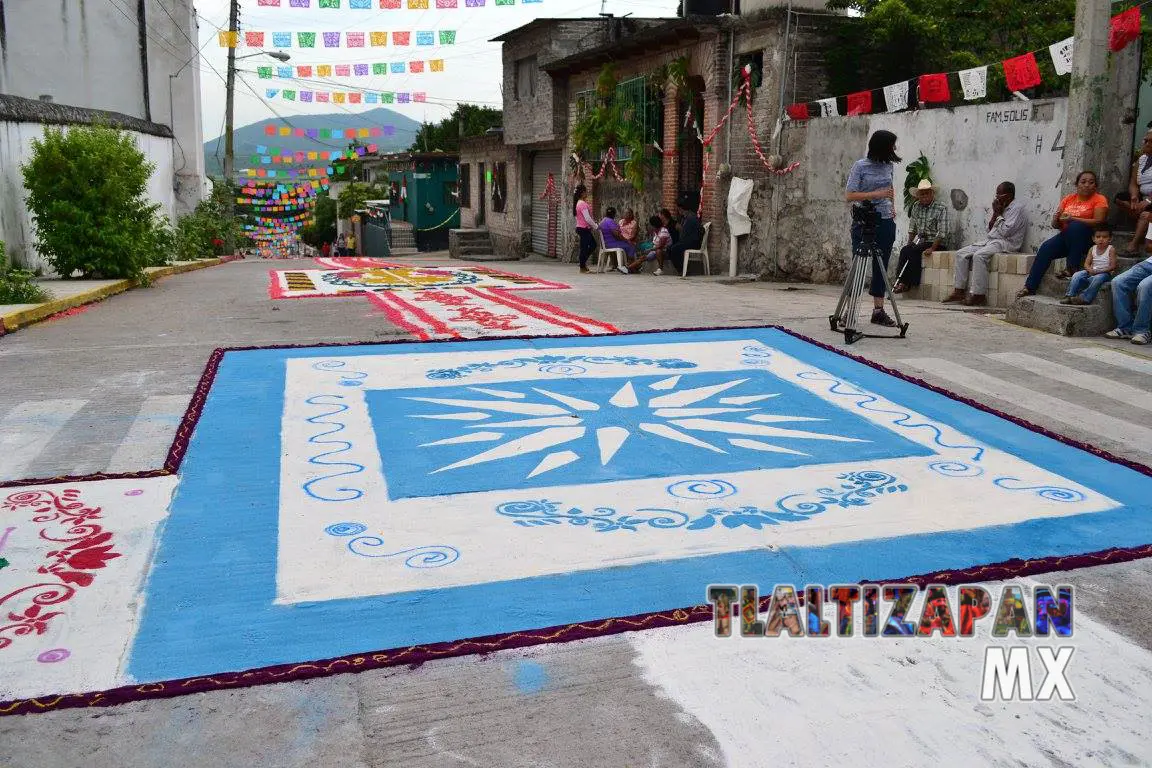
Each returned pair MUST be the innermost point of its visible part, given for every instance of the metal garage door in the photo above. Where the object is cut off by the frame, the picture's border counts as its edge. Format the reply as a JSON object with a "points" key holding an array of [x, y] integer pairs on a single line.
{"points": [[543, 163]]}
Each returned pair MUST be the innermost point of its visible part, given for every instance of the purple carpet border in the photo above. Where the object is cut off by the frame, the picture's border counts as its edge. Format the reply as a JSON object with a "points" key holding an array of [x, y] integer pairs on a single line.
{"points": [[414, 656]]}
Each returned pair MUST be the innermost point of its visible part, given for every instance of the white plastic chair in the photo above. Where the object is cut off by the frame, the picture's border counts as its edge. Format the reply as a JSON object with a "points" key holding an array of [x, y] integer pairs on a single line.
{"points": [[605, 257], [700, 254]]}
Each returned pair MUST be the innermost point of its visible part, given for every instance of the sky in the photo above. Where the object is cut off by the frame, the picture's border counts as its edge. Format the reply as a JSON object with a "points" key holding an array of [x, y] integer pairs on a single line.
{"points": [[472, 68]]}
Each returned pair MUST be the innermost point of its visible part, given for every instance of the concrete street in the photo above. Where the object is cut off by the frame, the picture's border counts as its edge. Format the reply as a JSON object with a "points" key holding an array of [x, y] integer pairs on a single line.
{"points": [[107, 387]]}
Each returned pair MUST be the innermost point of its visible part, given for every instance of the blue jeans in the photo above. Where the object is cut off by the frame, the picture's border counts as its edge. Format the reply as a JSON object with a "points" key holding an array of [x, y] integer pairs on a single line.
{"points": [[1137, 280], [1071, 244], [1087, 285], [885, 237]]}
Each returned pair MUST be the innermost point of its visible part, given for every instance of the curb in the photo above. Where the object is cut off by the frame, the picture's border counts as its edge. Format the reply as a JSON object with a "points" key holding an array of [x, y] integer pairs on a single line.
{"points": [[15, 320]]}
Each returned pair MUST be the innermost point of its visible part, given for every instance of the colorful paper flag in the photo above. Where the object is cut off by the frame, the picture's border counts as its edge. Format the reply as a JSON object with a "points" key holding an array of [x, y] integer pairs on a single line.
{"points": [[859, 103], [436, 65], [281, 39], [329, 4], [343, 70], [355, 39], [398, 67], [371, 98], [379, 39], [389, 5], [360, 5], [285, 72], [442, 4], [331, 39], [896, 97], [1061, 54], [934, 88], [300, 3], [271, 93], [387, 97], [338, 97], [403, 98], [360, 70], [419, 96], [322, 97], [324, 70], [304, 71], [270, 3], [306, 39], [1021, 72], [228, 39], [828, 107], [264, 73], [415, 66], [797, 111], [354, 98], [254, 39], [425, 38], [975, 83], [417, 5], [379, 68], [1124, 29], [401, 38]]}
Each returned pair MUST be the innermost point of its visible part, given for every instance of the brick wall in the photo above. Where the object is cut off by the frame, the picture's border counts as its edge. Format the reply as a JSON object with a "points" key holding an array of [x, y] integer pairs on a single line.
{"points": [[505, 226]]}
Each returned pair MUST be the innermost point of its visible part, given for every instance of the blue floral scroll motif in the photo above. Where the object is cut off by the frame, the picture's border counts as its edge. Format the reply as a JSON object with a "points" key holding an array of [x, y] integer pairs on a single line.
{"points": [[702, 489], [857, 489], [955, 469], [344, 493], [562, 364], [429, 556], [1047, 492], [865, 400], [756, 355], [347, 378]]}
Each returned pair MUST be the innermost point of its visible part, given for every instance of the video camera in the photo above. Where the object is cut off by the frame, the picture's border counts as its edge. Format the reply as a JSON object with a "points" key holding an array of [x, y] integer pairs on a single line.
{"points": [[867, 216]]}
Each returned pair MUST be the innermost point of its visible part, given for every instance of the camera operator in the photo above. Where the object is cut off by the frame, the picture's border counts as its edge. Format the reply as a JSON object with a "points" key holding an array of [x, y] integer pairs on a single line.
{"points": [[870, 182]]}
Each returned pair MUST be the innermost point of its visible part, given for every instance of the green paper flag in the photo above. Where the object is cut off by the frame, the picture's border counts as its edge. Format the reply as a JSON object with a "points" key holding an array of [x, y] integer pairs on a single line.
{"points": [[379, 68], [3, 563], [340, 169], [306, 39], [264, 72], [325, 133], [290, 95], [447, 37], [387, 97], [505, 2], [329, 3]]}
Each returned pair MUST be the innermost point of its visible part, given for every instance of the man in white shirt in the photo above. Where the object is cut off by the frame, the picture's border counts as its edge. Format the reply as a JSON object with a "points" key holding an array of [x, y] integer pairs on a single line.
{"points": [[1006, 231]]}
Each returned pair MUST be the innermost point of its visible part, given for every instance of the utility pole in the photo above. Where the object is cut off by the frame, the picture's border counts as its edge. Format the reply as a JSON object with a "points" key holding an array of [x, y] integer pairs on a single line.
{"points": [[1084, 142], [230, 103]]}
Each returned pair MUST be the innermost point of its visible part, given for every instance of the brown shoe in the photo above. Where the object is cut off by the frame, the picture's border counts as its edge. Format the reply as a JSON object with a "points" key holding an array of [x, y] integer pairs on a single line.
{"points": [[976, 300], [957, 295]]}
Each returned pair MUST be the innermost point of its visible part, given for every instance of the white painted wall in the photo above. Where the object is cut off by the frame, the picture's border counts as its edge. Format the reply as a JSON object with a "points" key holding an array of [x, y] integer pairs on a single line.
{"points": [[16, 227], [86, 53], [971, 149]]}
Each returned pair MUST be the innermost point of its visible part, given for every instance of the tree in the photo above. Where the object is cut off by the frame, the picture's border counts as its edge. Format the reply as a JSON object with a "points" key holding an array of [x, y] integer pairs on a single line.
{"points": [[897, 40], [355, 195], [467, 120], [324, 230]]}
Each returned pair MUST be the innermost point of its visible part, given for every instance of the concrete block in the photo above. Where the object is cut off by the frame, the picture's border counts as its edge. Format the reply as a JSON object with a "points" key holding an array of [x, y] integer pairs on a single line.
{"points": [[1047, 314]]}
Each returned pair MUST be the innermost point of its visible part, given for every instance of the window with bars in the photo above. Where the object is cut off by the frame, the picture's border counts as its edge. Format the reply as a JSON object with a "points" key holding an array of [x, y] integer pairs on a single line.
{"points": [[642, 104], [465, 185]]}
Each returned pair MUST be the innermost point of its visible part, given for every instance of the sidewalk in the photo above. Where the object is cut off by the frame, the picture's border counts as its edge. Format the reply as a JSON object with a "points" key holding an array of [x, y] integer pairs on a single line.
{"points": [[67, 294]]}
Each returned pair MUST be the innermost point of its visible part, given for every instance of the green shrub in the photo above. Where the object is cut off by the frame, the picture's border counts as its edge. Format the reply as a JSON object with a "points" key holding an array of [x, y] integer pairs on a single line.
{"points": [[17, 286], [87, 191], [202, 233]]}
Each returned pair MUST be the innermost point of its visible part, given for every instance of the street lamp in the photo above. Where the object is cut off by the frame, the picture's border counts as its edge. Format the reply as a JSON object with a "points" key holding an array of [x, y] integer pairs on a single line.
{"points": [[229, 158]]}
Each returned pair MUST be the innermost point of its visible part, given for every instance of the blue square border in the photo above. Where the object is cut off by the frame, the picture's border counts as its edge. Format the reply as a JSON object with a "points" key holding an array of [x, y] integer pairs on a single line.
{"points": [[220, 537]]}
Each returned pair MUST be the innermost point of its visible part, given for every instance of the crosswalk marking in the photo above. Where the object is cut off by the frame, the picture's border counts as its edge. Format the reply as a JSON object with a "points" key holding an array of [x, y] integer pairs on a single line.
{"points": [[1115, 357], [147, 441], [1133, 396], [1120, 430], [26, 430]]}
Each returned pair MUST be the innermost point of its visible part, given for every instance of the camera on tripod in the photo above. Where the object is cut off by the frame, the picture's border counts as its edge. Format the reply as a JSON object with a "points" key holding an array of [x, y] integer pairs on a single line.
{"points": [[867, 216]]}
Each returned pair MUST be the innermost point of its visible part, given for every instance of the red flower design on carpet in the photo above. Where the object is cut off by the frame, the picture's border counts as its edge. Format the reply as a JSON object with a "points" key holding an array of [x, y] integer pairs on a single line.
{"points": [[66, 520]]}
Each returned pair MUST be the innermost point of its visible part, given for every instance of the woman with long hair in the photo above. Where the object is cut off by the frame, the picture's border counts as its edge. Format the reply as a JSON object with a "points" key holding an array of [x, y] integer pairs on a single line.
{"points": [[1076, 218], [584, 225], [871, 180]]}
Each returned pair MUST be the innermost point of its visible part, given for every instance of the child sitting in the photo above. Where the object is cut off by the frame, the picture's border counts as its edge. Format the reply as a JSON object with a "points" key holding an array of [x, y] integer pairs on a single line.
{"points": [[653, 249], [1099, 265]]}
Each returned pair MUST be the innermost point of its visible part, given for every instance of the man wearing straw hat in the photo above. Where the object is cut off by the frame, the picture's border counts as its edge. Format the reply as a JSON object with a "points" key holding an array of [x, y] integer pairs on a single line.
{"points": [[927, 232]]}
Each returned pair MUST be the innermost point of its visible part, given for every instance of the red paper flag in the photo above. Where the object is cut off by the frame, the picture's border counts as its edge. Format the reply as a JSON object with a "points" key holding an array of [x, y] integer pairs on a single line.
{"points": [[859, 103], [254, 39], [1125, 29], [934, 88], [797, 111], [1021, 72], [270, 130]]}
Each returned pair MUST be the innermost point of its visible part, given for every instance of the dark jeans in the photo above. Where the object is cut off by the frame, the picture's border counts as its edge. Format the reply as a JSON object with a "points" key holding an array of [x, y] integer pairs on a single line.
{"points": [[910, 268], [1071, 244], [675, 254], [587, 245], [885, 237]]}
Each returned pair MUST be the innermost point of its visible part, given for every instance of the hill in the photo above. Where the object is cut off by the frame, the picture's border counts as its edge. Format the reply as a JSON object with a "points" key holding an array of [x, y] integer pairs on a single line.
{"points": [[248, 138]]}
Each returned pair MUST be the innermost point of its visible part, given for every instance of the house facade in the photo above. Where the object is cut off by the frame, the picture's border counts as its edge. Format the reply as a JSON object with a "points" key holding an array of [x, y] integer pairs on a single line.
{"points": [[134, 65]]}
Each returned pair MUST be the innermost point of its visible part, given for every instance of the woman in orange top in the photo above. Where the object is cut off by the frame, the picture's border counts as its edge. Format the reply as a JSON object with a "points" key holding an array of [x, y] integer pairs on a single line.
{"points": [[1076, 218]]}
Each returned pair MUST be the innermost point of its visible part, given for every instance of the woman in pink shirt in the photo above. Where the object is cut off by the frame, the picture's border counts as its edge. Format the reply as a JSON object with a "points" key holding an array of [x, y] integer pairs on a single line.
{"points": [[584, 225]]}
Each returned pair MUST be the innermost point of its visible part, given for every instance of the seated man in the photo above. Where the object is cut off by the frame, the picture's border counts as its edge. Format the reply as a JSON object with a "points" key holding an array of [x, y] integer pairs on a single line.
{"points": [[1006, 232], [691, 235], [927, 233], [1137, 200], [1138, 281]]}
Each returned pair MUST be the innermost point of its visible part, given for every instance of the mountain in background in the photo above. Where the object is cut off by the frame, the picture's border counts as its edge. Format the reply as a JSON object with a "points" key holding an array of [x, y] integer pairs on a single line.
{"points": [[249, 137]]}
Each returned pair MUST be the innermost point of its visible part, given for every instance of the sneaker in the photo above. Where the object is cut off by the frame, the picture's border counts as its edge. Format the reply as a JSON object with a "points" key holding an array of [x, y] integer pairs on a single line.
{"points": [[584, 270], [1118, 334], [1066, 300], [880, 317], [1141, 338], [623, 269], [1078, 302], [658, 272]]}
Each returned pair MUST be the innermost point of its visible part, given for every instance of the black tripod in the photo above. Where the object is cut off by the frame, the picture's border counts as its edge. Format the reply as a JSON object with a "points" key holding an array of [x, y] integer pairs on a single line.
{"points": [[867, 256]]}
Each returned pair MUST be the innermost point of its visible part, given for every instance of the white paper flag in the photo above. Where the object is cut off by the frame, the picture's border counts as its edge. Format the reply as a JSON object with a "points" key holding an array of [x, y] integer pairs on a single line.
{"points": [[896, 96], [828, 108], [1062, 56], [974, 82]]}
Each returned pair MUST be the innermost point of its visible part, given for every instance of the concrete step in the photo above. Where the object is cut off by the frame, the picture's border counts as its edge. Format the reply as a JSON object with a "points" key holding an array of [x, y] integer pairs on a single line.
{"points": [[1046, 313], [484, 257], [469, 248], [405, 251]]}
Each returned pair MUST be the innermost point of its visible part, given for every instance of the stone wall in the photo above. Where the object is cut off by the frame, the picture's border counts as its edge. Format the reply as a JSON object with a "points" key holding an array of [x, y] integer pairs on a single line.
{"points": [[971, 149], [508, 236]]}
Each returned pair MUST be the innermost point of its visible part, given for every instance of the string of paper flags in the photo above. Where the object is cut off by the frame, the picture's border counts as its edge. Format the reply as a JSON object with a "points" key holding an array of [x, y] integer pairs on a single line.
{"points": [[390, 5], [268, 155], [376, 68], [335, 39], [348, 97], [1020, 73], [329, 133]]}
